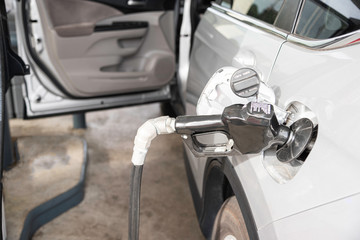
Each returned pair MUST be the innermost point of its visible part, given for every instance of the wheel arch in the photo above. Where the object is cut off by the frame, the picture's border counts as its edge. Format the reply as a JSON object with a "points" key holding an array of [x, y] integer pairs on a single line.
{"points": [[220, 182]]}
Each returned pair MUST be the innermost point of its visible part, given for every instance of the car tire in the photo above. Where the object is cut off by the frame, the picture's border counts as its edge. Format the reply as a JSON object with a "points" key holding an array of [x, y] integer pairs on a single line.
{"points": [[229, 223]]}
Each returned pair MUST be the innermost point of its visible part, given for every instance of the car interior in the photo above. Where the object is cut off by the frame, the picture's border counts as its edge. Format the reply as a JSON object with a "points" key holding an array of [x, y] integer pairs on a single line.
{"points": [[103, 50]]}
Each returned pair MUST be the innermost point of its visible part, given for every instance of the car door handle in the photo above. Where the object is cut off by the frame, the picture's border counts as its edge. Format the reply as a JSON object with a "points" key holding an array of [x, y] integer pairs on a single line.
{"points": [[136, 3]]}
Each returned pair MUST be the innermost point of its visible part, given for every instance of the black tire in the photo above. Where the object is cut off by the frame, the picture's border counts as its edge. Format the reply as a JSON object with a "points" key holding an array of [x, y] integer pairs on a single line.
{"points": [[229, 223]]}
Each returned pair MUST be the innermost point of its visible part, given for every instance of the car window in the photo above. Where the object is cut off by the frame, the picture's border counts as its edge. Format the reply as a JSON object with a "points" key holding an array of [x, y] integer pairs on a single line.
{"points": [[322, 19], [286, 17], [280, 13], [265, 10]]}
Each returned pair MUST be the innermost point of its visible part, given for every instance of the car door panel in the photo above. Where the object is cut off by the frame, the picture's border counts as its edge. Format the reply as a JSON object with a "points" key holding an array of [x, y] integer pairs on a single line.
{"points": [[93, 54], [228, 42], [226, 38], [76, 18], [114, 60]]}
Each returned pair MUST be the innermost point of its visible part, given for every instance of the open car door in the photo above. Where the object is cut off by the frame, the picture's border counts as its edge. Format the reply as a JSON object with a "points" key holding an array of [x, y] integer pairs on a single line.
{"points": [[87, 55], [10, 65]]}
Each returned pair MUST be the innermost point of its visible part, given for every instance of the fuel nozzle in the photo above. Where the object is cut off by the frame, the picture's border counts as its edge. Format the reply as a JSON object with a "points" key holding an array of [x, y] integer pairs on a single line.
{"points": [[254, 127], [249, 128], [246, 128]]}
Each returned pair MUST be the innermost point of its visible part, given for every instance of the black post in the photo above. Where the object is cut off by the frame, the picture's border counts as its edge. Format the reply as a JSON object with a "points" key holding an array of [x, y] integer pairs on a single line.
{"points": [[79, 121], [8, 147]]}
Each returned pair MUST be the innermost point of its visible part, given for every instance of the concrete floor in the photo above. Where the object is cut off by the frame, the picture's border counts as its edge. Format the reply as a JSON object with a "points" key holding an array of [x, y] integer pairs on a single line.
{"points": [[167, 210], [48, 166]]}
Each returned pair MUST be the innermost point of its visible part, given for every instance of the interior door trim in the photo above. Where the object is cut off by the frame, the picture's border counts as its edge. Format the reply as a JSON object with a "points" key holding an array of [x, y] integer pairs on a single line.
{"points": [[70, 106], [34, 56], [118, 26], [125, 6]]}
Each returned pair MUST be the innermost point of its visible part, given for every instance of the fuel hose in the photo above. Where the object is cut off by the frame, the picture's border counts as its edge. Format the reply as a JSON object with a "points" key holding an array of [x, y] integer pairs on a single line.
{"points": [[134, 211], [145, 134]]}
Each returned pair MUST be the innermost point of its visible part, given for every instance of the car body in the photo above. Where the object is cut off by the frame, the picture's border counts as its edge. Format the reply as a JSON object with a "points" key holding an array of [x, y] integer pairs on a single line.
{"points": [[315, 70], [116, 54]]}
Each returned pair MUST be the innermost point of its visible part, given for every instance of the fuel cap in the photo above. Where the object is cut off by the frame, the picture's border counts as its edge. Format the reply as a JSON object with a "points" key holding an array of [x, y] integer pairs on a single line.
{"points": [[245, 82]]}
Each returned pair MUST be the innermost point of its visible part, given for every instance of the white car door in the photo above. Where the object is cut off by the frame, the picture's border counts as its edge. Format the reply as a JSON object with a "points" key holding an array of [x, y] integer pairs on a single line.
{"points": [[87, 55], [236, 33]]}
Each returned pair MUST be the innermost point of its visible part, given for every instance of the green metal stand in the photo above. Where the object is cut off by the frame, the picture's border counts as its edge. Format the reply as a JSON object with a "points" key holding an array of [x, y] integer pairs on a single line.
{"points": [[79, 121]]}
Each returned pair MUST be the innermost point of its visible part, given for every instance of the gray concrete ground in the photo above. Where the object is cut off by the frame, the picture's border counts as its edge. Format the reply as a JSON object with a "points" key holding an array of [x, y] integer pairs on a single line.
{"points": [[167, 211], [50, 167]]}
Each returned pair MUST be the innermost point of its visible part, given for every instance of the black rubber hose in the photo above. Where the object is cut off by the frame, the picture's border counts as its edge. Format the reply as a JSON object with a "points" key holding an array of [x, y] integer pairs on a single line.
{"points": [[134, 211]]}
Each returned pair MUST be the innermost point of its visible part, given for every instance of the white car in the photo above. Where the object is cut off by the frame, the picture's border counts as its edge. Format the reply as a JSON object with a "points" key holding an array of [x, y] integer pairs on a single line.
{"points": [[88, 55], [306, 52]]}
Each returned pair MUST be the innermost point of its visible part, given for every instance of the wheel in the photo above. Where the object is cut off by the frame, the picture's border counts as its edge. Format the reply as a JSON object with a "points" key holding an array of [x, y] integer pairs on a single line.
{"points": [[229, 223]]}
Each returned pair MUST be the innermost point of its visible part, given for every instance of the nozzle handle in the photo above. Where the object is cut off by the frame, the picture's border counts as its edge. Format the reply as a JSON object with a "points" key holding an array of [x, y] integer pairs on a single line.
{"points": [[199, 124], [190, 127]]}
